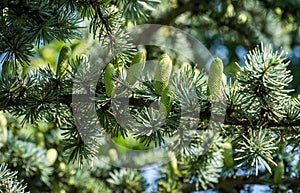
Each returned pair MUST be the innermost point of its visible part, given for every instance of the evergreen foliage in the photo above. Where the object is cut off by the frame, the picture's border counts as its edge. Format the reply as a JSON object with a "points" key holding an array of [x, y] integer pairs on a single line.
{"points": [[38, 112]]}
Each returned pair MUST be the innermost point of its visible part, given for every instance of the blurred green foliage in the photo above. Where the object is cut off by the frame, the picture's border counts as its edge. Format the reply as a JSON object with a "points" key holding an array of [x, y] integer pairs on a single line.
{"points": [[41, 150]]}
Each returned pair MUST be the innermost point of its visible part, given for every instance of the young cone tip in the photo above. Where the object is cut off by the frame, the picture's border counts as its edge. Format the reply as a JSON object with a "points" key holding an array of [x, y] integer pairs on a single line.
{"points": [[139, 57], [136, 68], [162, 73], [165, 57], [216, 66]]}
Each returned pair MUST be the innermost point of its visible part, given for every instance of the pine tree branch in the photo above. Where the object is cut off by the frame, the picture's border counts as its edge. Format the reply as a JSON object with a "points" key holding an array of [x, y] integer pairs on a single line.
{"points": [[67, 99], [229, 120]]}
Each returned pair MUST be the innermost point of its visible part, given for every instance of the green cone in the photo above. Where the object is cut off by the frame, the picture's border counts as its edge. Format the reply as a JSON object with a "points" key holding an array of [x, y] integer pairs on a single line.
{"points": [[109, 82], [62, 64], [215, 79]]}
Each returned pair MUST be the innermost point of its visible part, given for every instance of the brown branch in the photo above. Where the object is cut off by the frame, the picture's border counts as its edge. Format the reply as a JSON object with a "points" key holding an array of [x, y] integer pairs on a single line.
{"points": [[88, 98], [240, 181]]}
